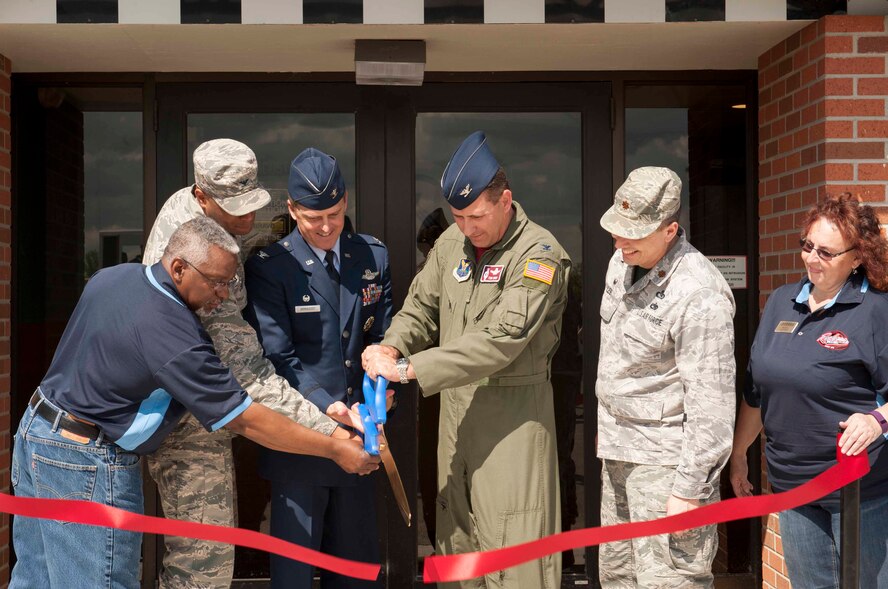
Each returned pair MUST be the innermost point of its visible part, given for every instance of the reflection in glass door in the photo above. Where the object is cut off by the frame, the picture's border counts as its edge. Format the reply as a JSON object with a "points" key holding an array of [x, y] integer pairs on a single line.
{"points": [[542, 156], [276, 138]]}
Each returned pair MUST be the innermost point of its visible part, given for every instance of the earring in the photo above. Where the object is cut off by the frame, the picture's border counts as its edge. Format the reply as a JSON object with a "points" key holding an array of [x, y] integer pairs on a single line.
{"points": [[854, 271]]}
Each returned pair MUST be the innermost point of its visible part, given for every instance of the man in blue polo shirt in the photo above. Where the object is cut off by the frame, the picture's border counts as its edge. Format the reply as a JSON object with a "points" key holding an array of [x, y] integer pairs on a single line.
{"points": [[132, 361]]}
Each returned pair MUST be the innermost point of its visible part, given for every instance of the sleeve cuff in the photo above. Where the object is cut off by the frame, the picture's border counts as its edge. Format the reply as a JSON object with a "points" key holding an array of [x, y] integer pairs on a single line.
{"points": [[233, 413], [691, 490], [321, 398]]}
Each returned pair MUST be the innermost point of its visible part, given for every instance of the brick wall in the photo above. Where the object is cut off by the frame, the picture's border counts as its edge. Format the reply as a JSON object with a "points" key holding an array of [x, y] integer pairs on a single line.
{"points": [[5, 296], [822, 129]]}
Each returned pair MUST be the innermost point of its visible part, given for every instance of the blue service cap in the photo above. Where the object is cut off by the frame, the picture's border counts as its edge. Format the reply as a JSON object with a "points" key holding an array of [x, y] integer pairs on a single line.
{"points": [[315, 181], [469, 171]]}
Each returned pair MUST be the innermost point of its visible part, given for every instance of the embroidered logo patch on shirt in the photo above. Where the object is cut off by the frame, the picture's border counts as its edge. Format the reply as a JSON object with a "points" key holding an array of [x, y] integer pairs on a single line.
{"points": [[539, 271], [492, 273], [463, 270], [834, 340]]}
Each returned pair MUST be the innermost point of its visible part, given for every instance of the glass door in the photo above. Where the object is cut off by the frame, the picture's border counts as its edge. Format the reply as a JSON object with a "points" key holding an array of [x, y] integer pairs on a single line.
{"points": [[271, 128], [555, 140]]}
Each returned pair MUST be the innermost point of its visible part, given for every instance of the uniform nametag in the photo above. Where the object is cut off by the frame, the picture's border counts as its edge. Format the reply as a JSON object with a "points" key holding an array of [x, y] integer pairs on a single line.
{"points": [[307, 309], [492, 274], [786, 327]]}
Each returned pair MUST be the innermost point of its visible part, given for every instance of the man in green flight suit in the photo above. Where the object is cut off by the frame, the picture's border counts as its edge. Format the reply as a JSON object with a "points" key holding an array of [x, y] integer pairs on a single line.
{"points": [[492, 292]]}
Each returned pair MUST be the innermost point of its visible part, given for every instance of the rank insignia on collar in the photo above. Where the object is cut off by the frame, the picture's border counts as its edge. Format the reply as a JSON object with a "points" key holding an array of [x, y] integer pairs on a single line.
{"points": [[369, 323], [369, 274], [463, 271], [309, 262], [263, 255], [346, 255]]}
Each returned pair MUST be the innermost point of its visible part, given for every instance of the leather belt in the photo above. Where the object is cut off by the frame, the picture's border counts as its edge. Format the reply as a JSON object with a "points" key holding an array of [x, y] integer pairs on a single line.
{"points": [[66, 421]]}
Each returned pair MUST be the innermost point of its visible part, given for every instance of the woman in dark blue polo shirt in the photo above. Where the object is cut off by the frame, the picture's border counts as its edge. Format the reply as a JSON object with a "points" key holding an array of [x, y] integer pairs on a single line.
{"points": [[819, 362]]}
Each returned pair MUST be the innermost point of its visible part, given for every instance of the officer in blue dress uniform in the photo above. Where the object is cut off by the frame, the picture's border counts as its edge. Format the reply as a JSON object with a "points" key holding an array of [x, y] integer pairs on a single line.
{"points": [[317, 298]]}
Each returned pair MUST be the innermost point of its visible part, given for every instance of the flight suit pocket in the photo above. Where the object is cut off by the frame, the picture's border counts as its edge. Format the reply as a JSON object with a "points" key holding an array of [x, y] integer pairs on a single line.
{"points": [[517, 527], [512, 311]]}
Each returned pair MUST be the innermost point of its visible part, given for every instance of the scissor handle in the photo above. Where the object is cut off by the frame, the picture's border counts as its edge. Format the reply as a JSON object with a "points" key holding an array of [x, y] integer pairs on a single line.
{"points": [[374, 397], [371, 434]]}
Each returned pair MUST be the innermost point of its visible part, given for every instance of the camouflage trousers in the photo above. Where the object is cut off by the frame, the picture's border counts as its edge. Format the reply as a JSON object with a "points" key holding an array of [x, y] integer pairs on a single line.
{"points": [[194, 472], [638, 492]]}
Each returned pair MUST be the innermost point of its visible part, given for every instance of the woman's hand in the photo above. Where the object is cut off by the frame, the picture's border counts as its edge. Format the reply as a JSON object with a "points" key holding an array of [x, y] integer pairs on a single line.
{"points": [[861, 430], [740, 475]]}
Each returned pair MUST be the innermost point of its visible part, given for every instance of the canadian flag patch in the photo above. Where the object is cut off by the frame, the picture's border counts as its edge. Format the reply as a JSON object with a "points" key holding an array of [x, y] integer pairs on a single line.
{"points": [[834, 340], [492, 273]]}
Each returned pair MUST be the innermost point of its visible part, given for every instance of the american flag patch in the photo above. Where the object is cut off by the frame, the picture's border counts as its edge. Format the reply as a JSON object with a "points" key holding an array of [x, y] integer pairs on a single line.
{"points": [[539, 271]]}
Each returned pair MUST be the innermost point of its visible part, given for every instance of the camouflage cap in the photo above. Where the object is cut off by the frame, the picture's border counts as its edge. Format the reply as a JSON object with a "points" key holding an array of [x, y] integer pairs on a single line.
{"points": [[649, 196], [227, 170]]}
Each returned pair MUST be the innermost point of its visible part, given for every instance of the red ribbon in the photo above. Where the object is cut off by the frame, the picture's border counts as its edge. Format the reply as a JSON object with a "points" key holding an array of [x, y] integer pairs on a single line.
{"points": [[444, 568], [96, 514], [461, 567]]}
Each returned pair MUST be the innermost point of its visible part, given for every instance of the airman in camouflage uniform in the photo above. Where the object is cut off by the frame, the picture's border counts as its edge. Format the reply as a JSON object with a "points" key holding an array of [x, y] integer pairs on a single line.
{"points": [[492, 292], [193, 469], [665, 386]]}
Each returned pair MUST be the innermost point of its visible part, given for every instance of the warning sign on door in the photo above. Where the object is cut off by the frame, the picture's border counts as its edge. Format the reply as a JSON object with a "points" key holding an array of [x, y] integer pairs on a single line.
{"points": [[733, 268]]}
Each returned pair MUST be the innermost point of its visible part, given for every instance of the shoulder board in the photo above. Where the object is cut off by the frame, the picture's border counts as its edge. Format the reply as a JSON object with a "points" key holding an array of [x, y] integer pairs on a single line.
{"points": [[364, 239], [271, 251]]}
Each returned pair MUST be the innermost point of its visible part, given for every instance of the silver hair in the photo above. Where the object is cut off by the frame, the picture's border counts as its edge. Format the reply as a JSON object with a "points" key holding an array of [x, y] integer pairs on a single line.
{"points": [[192, 241]]}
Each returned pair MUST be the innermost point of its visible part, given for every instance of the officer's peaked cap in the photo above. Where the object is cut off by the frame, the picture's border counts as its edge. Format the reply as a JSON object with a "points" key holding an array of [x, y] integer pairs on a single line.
{"points": [[470, 169], [315, 181]]}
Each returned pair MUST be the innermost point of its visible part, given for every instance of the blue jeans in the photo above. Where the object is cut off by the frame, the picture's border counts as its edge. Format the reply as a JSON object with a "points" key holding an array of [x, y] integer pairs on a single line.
{"points": [[50, 553], [812, 539]]}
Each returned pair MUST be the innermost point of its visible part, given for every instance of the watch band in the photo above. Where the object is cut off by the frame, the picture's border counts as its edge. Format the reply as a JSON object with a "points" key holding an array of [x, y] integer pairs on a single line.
{"points": [[881, 419], [401, 365]]}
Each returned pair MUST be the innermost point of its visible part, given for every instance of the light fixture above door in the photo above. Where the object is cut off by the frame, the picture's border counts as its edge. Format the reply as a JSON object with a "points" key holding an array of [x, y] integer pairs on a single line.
{"points": [[389, 63]]}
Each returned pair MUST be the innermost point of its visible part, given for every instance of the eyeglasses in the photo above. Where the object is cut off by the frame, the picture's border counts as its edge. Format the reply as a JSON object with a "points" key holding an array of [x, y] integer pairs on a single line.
{"points": [[808, 247], [216, 284]]}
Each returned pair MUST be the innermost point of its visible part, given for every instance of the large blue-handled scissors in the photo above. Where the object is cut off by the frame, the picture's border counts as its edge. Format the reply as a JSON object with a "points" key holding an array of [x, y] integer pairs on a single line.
{"points": [[373, 414]]}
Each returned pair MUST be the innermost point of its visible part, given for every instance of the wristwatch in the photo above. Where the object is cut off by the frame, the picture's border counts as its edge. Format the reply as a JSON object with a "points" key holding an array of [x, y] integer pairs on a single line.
{"points": [[401, 365], [877, 414]]}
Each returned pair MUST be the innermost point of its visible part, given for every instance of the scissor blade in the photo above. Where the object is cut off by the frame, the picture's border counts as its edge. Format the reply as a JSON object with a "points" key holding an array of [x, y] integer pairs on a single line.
{"points": [[391, 469]]}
